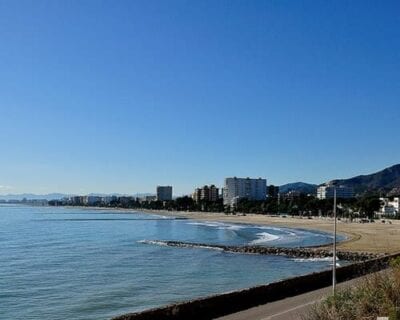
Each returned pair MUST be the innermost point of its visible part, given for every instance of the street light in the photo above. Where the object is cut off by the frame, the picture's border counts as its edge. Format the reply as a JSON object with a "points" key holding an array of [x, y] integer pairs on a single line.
{"points": [[334, 243]]}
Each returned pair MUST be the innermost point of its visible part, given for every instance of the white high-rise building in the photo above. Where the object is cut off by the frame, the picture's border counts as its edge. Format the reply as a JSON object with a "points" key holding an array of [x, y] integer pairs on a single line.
{"points": [[240, 188], [164, 193], [327, 192], [91, 200]]}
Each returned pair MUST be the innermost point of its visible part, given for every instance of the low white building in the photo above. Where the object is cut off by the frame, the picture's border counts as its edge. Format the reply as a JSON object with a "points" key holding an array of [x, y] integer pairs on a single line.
{"points": [[395, 203], [389, 207], [150, 198]]}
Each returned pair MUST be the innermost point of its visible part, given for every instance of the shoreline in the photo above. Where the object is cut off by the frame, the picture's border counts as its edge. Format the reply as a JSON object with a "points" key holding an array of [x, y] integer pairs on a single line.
{"points": [[241, 218], [369, 237]]}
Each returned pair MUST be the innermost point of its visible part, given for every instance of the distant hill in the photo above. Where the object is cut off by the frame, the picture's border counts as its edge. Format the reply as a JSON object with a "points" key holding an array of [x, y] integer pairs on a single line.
{"points": [[299, 186], [58, 196], [386, 180], [31, 196]]}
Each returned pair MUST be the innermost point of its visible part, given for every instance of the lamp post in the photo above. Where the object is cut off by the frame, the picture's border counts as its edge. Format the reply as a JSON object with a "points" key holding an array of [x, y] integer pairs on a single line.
{"points": [[334, 244]]}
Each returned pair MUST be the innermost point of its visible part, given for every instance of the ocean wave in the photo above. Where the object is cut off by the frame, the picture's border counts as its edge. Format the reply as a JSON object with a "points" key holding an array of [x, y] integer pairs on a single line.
{"points": [[264, 237], [290, 232], [218, 225], [206, 247], [154, 242], [182, 245], [327, 259], [267, 234]]}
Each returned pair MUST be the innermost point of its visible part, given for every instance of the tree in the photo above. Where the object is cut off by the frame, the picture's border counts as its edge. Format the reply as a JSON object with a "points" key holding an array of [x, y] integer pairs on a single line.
{"points": [[369, 205], [184, 203]]}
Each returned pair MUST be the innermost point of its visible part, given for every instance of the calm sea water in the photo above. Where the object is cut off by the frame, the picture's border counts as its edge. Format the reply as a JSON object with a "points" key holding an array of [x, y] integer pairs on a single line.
{"points": [[67, 263]]}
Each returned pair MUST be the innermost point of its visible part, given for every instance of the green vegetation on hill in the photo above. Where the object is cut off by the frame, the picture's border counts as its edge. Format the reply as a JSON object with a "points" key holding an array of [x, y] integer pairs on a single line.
{"points": [[302, 187], [385, 181]]}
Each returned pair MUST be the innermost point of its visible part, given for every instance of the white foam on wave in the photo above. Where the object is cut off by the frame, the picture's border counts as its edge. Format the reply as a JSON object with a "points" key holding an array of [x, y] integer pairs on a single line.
{"points": [[313, 259], [284, 230], [299, 233], [287, 235], [154, 242], [208, 247], [218, 225], [327, 259], [182, 245], [264, 237]]}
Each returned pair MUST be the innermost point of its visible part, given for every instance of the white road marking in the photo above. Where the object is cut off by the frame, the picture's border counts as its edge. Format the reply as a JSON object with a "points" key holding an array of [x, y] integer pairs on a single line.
{"points": [[291, 309]]}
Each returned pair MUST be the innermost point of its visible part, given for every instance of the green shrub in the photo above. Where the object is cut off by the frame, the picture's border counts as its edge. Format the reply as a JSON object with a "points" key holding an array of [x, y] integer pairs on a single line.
{"points": [[395, 262], [373, 296]]}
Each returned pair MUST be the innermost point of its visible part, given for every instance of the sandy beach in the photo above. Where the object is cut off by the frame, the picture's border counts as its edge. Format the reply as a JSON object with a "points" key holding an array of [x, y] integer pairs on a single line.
{"points": [[374, 237]]}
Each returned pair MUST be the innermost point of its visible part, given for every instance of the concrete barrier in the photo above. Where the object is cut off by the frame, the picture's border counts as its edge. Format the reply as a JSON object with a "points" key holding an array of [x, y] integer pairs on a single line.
{"points": [[222, 304]]}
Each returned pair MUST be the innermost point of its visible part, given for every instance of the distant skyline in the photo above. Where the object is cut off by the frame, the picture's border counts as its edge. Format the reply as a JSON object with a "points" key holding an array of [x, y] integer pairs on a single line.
{"points": [[121, 96]]}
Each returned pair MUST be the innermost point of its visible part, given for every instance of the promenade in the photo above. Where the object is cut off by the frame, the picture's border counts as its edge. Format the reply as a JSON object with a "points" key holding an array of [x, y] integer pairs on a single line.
{"points": [[292, 308]]}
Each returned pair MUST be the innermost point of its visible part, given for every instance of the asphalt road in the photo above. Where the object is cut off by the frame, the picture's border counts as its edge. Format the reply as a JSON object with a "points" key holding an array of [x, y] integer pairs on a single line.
{"points": [[287, 309]]}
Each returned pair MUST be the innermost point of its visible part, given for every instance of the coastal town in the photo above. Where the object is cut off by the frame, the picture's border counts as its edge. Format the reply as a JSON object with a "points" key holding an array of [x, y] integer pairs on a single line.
{"points": [[199, 160], [254, 195]]}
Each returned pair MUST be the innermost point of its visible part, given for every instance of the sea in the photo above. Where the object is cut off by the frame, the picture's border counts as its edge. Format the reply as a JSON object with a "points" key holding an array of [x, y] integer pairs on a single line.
{"points": [[82, 263]]}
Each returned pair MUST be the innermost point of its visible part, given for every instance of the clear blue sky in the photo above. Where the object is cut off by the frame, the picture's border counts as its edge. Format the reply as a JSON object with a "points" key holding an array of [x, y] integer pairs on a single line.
{"points": [[119, 96]]}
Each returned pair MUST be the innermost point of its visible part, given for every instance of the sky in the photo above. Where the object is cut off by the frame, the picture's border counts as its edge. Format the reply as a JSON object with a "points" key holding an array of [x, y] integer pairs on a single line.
{"points": [[121, 96]]}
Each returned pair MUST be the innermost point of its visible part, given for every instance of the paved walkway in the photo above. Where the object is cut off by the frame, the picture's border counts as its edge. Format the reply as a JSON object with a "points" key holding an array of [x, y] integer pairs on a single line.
{"points": [[287, 309]]}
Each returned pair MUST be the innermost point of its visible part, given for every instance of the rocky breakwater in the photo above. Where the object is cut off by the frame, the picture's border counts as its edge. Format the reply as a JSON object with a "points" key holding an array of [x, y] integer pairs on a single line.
{"points": [[300, 253]]}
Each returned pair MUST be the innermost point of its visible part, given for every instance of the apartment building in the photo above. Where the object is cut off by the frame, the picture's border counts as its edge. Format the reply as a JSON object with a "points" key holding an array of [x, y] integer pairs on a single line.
{"points": [[240, 188]]}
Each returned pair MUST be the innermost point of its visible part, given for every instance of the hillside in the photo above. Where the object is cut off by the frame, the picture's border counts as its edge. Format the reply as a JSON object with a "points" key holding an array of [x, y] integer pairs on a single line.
{"points": [[32, 196], [299, 186], [384, 180]]}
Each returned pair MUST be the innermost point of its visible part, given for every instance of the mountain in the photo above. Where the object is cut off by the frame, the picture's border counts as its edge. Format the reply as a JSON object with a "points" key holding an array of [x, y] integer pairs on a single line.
{"points": [[31, 196], [385, 180], [299, 186], [58, 196]]}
